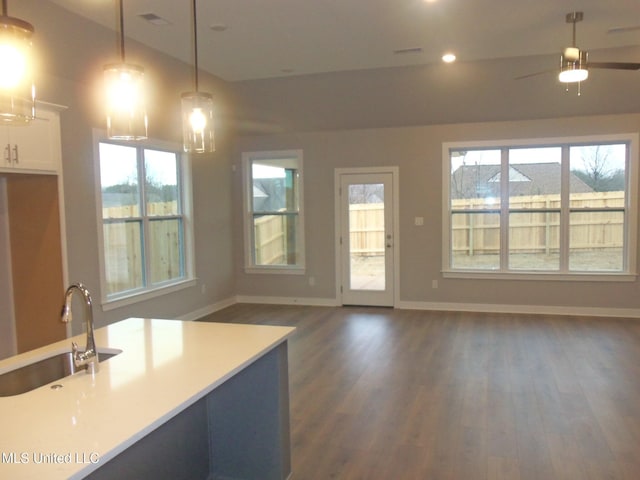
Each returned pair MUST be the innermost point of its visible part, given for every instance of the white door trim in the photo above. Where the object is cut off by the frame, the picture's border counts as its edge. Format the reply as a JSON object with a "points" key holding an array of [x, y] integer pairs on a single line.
{"points": [[394, 171]]}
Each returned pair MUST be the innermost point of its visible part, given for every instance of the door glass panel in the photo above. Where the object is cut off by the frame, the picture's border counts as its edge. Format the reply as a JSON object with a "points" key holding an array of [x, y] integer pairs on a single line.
{"points": [[367, 236]]}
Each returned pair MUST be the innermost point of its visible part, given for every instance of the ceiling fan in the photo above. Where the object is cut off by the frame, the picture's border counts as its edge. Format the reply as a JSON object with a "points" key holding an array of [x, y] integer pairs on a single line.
{"points": [[574, 63]]}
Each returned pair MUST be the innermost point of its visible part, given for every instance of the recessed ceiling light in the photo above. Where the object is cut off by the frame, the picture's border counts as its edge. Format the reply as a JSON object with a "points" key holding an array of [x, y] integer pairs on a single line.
{"points": [[448, 58], [154, 19]]}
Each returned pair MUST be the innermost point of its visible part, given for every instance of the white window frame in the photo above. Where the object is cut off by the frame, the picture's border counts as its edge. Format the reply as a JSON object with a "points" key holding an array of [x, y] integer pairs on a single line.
{"points": [[631, 209], [147, 292], [247, 188]]}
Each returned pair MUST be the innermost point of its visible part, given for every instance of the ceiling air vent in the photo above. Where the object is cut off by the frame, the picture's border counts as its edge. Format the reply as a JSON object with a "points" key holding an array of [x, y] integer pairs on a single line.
{"points": [[403, 51], [153, 18]]}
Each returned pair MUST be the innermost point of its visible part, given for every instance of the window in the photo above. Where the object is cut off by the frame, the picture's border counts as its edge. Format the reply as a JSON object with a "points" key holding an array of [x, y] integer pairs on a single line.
{"points": [[552, 207], [274, 212], [143, 218]]}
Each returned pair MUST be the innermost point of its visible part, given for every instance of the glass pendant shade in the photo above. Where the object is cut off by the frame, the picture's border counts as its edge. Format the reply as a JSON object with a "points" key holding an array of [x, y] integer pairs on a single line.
{"points": [[17, 90], [197, 109], [125, 102], [197, 122]]}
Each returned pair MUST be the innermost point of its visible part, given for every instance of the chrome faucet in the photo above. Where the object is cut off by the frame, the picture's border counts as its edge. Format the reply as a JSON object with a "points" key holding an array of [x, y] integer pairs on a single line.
{"points": [[89, 356]]}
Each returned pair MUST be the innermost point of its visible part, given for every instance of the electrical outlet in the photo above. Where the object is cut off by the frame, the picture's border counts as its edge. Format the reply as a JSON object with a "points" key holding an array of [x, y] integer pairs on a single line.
{"points": [[434, 283]]}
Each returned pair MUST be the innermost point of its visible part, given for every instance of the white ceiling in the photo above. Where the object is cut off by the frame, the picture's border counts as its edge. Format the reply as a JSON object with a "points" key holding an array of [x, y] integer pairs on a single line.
{"points": [[274, 38]]}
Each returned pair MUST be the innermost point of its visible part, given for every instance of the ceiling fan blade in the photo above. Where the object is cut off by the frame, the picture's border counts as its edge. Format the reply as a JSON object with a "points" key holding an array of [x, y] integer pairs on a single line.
{"points": [[614, 65], [536, 74]]}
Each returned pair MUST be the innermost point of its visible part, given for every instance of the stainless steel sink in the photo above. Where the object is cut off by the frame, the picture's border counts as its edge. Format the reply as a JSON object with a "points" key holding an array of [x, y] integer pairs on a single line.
{"points": [[37, 374]]}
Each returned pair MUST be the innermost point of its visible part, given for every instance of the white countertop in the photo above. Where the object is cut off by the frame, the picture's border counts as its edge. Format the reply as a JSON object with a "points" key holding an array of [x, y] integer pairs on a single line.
{"points": [[165, 366]]}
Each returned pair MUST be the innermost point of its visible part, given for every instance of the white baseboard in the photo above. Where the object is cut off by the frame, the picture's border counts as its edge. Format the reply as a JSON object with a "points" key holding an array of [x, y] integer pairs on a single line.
{"points": [[308, 301], [208, 310], [413, 305], [526, 309]]}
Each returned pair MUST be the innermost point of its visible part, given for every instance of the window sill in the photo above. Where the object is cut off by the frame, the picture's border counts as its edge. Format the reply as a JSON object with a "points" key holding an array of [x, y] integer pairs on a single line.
{"points": [[544, 276], [278, 270], [141, 296]]}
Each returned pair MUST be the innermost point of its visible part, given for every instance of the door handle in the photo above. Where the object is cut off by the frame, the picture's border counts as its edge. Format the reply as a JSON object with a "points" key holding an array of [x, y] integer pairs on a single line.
{"points": [[16, 157], [7, 153]]}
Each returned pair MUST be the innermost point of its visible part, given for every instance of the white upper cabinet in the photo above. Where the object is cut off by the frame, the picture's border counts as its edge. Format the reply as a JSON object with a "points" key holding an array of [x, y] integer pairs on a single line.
{"points": [[33, 148]]}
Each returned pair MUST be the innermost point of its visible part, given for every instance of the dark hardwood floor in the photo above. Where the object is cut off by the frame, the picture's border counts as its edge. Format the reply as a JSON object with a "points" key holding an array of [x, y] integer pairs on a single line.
{"points": [[397, 394]]}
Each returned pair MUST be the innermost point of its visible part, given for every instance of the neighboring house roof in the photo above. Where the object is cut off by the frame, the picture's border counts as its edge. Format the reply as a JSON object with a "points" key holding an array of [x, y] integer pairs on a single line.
{"points": [[479, 181], [258, 192]]}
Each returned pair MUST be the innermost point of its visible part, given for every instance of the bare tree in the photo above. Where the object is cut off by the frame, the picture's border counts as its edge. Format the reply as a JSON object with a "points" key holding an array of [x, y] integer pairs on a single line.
{"points": [[598, 172], [366, 193]]}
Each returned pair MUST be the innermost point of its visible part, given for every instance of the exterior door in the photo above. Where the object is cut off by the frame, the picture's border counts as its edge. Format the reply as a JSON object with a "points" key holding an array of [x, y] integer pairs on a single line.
{"points": [[366, 238]]}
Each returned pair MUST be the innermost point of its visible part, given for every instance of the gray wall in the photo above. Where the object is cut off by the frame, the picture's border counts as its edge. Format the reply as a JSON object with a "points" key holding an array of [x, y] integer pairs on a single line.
{"points": [[72, 54], [401, 117], [417, 151], [351, 119]]}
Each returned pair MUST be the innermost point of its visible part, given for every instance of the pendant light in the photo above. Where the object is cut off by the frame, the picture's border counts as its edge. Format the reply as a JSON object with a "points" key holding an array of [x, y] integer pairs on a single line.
{"points": [[17, 90], [125, 96], [197, 110]]}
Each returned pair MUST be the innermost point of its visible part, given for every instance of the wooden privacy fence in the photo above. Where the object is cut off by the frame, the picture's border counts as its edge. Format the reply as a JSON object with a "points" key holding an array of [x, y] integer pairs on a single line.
{"points": [[539, 232], [270, 240], [366, 229], [366, 223], [532, 232], [276, 239], [123, 246]]}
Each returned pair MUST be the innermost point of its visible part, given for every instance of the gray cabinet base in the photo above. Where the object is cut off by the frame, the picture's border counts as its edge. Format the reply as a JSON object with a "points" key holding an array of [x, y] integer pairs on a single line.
{"points": [[240, 431]]}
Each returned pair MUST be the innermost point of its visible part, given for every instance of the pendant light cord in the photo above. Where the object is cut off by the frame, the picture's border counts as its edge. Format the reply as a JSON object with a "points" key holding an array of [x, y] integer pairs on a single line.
{"points": [[121, 31], [195, 42]]}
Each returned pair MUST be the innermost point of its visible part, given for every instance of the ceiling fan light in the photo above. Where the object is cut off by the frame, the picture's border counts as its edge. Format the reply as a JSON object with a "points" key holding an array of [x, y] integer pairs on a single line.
{"points": [[573, 66], [573, 75]]}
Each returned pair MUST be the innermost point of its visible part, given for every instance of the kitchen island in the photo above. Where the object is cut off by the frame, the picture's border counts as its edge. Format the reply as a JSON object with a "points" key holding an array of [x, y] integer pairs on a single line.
{"points": [[182, 400]]}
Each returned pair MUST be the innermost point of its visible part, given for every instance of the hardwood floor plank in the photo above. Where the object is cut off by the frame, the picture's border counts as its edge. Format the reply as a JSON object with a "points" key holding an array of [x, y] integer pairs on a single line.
{"points": [[379, 394], [499, 468]]}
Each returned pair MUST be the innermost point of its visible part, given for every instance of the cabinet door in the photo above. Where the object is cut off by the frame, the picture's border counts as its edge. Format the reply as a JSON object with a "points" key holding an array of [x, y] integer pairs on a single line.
{"points": [[34, 146]]}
